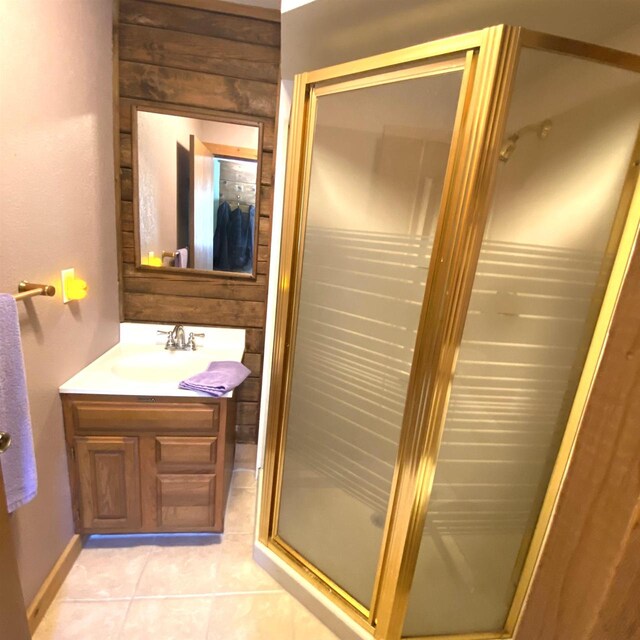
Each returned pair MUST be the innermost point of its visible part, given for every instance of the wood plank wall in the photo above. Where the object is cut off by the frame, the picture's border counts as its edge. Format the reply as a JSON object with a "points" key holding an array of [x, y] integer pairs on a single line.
{"points": [[216, 58], [588, 575]]}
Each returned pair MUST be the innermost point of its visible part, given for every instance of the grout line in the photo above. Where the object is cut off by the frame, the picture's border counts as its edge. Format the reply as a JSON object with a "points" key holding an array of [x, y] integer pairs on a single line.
{"points": [[106, 599], [210, 594], [249, 593], [165, 596], [208, 629], [144, 566], [120, 633]]}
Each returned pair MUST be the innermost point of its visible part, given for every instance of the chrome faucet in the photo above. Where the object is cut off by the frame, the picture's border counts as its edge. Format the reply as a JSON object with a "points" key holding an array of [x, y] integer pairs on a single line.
{"points": [[178, 337], [176, 340]]}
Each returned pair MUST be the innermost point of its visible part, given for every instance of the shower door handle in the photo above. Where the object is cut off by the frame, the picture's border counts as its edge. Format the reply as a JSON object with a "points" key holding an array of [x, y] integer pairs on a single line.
{"points": [[5, 441]]}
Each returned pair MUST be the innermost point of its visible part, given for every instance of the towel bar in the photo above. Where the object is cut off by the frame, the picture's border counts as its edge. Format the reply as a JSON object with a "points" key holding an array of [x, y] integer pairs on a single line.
{"points": [[30, 289]]}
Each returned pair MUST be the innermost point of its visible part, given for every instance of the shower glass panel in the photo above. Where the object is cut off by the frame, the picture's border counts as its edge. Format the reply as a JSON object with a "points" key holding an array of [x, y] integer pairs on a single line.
{"points": [[545, 261], [377, 172]]}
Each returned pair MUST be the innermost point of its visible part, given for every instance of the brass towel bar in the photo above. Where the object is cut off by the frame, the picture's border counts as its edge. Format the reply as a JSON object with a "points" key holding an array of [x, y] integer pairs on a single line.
{"points": [[30, 289]]}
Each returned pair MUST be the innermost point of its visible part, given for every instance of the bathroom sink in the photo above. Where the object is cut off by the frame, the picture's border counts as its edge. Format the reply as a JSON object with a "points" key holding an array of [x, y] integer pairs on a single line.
{"points": [[140, 365], [162, 366]]}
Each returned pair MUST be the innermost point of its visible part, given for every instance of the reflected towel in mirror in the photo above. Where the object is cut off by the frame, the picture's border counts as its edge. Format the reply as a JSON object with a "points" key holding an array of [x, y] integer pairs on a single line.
{"points": [[182, 258], [218, 379]]}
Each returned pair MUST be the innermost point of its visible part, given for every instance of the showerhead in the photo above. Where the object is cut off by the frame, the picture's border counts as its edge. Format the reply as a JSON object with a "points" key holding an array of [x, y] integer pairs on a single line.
{"points": [[545, 128], [509, 147], [541, 128]]}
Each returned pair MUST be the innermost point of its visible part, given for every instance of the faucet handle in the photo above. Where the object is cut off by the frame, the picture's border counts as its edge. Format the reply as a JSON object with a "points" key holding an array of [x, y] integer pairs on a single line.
{"points": [[170, 339], [192, 340]]}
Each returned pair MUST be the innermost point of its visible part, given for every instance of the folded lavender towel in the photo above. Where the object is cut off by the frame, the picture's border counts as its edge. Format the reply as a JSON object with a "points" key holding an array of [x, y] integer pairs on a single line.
{"points": [[218, 379], [18, 462]]}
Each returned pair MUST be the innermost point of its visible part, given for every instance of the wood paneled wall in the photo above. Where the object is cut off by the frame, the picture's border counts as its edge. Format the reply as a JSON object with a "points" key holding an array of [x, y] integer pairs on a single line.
{"points": [[588, 575], [214, 58]]}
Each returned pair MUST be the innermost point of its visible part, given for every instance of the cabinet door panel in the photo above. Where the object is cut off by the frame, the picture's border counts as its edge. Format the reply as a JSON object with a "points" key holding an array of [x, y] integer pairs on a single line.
{"points": [[186, 501], [109, 475]]}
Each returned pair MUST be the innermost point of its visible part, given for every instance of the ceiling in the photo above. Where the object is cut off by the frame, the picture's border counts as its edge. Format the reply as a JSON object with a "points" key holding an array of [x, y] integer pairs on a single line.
{"points": [[267, 4], [326, 32]]}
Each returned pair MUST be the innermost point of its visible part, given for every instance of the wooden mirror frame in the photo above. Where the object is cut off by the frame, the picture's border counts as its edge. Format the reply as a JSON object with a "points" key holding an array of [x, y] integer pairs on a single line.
{"points": [[173, 272]]}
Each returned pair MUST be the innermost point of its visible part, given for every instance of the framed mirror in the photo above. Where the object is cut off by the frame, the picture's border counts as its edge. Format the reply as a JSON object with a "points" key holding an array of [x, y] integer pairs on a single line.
{"points": [[196, 192]]}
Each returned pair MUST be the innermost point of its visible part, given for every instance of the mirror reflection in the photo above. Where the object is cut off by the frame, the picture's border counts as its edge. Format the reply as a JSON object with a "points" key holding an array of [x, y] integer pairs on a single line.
{"points": [[197, 188]]}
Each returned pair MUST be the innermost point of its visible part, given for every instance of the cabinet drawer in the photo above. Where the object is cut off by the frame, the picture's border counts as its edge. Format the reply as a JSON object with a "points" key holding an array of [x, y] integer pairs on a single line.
{"points": [[185, 452], [186, 501], [105, 417]]}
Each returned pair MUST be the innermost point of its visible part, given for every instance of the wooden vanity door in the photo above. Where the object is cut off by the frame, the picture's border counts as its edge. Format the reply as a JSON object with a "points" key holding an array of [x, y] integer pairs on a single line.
{"points": [[109, 482]]}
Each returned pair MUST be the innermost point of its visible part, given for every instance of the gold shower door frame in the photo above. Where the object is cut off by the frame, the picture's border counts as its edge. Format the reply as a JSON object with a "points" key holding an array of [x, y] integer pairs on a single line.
{"points": [[489, 59]]}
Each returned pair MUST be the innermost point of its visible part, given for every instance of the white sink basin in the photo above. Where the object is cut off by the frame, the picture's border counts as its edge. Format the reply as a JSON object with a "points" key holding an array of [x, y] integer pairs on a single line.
{"points": [[162, 366], [140, 365]]}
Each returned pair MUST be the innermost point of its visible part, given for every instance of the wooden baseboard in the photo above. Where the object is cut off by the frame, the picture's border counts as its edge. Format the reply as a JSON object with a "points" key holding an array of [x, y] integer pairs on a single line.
{"points": [[53, 582]]}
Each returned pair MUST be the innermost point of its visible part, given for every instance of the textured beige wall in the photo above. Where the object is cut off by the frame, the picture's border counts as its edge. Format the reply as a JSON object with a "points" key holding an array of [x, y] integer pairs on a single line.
{"points": [[159, 136], [56, 211]]}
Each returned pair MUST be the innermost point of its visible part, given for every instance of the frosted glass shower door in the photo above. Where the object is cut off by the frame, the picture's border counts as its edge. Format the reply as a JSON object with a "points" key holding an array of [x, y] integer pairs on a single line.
{"points": [[376, 178], [545, 261]]}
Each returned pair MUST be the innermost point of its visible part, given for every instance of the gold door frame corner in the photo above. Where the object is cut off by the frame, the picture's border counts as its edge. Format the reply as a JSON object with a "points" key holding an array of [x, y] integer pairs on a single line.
{"points": [[490, 63], [455, 254]]}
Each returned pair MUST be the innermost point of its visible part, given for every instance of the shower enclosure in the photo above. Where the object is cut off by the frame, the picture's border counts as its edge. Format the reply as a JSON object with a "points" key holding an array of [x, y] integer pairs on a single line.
{"points": [[459, 218]]}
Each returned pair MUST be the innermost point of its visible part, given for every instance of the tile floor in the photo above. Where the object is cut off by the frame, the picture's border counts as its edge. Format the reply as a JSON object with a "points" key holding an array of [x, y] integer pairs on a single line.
{"points": [[180, 587]]}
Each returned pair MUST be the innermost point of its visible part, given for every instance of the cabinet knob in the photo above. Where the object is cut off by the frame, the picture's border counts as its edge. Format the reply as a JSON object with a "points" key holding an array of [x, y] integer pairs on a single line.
{"points": [[5, 441]]}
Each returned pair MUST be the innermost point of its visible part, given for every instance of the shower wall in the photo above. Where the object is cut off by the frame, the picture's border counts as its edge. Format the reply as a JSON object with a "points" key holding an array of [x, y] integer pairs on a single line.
{"points": [[570, 178]]}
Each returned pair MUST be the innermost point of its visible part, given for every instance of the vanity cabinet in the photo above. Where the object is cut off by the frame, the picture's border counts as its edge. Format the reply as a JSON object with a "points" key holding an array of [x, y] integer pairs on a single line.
{"points": [[149, 464]]}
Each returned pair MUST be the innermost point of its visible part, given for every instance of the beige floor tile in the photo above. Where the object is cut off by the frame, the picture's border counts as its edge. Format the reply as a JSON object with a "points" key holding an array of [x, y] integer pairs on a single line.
{"points": [[246, 456], [306, 626], [241, 511], [243, 479], [98, 620], [94, 574], [238, 571], [264, 616], [167, 619], [181, 567]]}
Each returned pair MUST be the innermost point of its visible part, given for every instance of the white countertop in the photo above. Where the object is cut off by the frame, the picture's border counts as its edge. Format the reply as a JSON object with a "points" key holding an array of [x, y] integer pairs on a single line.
{"points": [[140, 365]]}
